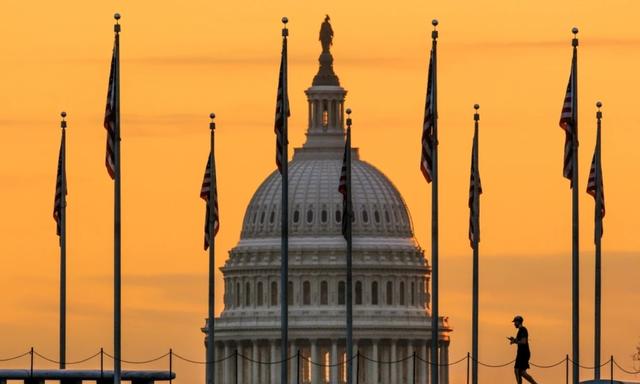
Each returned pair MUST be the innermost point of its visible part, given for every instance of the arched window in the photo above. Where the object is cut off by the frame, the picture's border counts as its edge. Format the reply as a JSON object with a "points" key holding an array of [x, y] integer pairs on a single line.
{"points": [[274, 293], [296, 216], [290, 293], [262, 218], [341, 289], [402, 293], [238, 294], [365, 216], [310, 215], [259, 293], [376, 216], [389, 293], [374, 293], [324, 293], [386, 216], [358, 293], [338, 216], [247, 294], [323, 216], [272, 217], [413, 293], [306, 293]]}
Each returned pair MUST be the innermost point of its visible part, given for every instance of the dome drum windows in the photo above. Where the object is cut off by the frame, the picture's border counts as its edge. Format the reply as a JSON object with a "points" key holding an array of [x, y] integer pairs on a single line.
{"points": [[358, 293], [259, 294], [389, 293], [341, 293], [274, 293], [324, 215], [324, 293], [306, 293], [374, 293]]}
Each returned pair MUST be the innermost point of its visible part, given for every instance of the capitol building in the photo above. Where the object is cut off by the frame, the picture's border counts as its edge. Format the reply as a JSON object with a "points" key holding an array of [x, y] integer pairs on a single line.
{"points": [[391, 277]]}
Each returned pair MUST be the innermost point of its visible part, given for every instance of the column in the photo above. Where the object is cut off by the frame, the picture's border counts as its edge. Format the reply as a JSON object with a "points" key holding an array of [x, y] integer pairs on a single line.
{"points": [[227, 363], [374, 364], [293, 369], [309, 113], [424, 368], [241, 363], [444, 360], [274, 368], [410, 361], [356, 362], [315, 359], [384, 367], [255, 367], [393, 369], [334, 361]]}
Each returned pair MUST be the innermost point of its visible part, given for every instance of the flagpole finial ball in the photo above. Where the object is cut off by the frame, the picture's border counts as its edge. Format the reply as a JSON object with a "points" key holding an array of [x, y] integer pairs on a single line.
{"points": [[434, 22], [63, 114], [116, 16], [212, 115], [476, 106], [285, 20], [574, 30], [599, 104], [348, 111]]}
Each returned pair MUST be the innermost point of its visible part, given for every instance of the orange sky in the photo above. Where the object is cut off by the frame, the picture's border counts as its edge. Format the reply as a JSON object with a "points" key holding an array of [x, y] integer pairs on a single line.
{"points": [[182, 60]]}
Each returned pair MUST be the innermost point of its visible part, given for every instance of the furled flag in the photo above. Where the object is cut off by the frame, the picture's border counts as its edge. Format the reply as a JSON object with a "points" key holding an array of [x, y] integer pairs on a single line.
{"points": [[61, 184], [567, 123], [426, 161], [475, 179], [110, 114], [204, 194], [592, 188], [282, 108], [344, 188]]}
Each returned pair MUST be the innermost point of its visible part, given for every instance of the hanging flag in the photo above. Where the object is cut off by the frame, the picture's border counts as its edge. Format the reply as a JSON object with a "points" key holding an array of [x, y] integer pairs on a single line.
{"points": [[592, 187], [204, 194], [426, 162], [282, 108], [61, 184], [343, 187], [475, 178], [110, 115], [567, 123]]}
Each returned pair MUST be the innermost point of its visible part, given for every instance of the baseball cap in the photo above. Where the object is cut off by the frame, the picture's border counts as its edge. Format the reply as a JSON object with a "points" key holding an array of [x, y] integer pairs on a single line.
{"points": [[517, 318]]}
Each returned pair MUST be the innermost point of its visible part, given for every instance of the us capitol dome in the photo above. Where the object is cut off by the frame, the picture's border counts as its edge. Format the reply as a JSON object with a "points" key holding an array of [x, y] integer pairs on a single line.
{"points": [[391, 312]]}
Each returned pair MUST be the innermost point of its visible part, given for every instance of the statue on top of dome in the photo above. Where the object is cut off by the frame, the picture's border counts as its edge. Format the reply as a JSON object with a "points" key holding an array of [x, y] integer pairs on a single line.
{"points": [[326, 34]]}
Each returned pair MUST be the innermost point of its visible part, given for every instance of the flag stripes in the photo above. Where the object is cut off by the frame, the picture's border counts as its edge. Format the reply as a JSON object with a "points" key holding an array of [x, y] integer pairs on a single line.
{"points": [[474, 180], [61, 184], [426, 161], [594, 188], [282, 109], [204, 194], [110, 115], [567, 123]]}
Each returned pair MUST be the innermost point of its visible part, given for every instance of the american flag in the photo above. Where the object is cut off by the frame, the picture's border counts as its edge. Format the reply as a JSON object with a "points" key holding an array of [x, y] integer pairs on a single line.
{"points": [[110, 114], [567, 123], [204, 194], [282, 109], [426, 161], [343, 187], [475, 178], [592, 188], [61, 183]]}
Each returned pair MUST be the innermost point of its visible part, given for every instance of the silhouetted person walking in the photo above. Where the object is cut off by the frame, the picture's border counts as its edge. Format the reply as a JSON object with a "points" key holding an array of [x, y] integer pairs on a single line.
{"points": [[524, 354]]}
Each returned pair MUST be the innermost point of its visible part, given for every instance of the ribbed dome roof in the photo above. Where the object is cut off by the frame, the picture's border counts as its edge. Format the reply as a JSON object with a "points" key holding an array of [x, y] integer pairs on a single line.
{"points": [[315, 205]]}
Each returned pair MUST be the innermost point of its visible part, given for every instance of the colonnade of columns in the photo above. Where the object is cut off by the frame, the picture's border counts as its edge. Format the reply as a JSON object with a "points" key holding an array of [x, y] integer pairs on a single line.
{"points": [[322, 361]]}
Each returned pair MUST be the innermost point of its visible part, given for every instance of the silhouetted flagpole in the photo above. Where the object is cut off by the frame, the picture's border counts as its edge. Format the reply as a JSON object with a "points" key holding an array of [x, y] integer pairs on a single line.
{"points": [[212, 212], [599, 214], [576, 221], [435, 316], [61, 211], [348, 216], [282, 156], [475, 217], [117, 330]]}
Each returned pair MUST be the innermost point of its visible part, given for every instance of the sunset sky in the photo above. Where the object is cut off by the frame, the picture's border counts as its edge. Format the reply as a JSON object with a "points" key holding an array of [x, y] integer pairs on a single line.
{"points": [[183, 60]]}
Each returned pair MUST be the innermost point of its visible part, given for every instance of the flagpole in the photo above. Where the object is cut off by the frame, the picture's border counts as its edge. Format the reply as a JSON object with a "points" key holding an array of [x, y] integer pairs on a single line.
{"points": [[575, 260], [211, 346], [284, 247], [117, 218], [476, 244], [348, 216], [63, 246], [598, 240], [435, 317]]}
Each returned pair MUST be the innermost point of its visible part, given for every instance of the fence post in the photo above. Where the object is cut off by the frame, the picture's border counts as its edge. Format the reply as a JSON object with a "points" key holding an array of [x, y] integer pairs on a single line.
{"points": [[170, 365], [101, 363], [236, 358], [468, 362], [298, 367], [31, 370], [611, 363], [566, 366]]}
